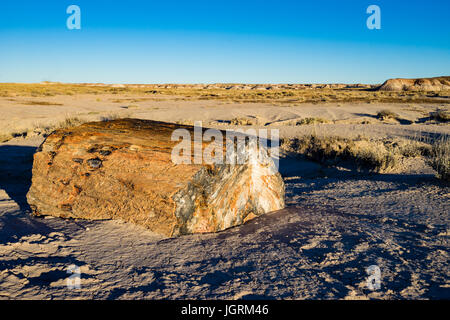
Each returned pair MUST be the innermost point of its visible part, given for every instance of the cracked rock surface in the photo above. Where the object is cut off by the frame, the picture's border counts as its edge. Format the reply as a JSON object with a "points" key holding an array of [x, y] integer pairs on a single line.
{"points": [[123, 170]]}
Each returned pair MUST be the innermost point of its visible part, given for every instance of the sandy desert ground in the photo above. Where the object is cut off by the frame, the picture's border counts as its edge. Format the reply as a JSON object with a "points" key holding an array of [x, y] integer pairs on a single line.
{"points": [[338, 221]]}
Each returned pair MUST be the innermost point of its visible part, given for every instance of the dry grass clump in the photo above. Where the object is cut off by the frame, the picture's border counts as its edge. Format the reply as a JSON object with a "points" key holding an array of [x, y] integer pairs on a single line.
{"points": [[76, 121], [440, 157], [39, 129], [312, 120], [410, 148], [387, 114], [373, 155], [365, 154], [242, 122], [110, 117], [69, 122], [185, 122], [383, 155], [40, 103], [5, 137], [8, 135], [45, 129], [441, 115]]}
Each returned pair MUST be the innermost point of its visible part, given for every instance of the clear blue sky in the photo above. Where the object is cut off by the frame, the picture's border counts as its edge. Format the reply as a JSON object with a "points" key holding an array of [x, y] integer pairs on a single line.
{"points": [[275, 41]]}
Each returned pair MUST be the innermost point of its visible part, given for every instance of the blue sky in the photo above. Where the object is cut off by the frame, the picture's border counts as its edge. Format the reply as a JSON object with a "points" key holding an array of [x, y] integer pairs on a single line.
{"points": [[223, 41]]}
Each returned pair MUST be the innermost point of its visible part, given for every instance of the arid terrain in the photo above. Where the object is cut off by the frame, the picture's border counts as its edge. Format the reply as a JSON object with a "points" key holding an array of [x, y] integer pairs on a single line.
{"points": [[365, 185]]}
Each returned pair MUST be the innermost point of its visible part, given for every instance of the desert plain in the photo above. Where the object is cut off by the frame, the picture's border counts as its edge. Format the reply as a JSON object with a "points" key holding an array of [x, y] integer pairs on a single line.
{"points": [[362, 188]]}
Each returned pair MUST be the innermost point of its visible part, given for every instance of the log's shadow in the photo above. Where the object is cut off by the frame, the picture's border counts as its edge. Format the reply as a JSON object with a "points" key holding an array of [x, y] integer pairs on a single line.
{"points": [[16, 163]]}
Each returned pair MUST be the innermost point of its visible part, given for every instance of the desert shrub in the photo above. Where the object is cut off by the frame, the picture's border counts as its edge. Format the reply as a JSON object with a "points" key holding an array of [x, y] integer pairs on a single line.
{"points": [[242, 122], [70, 122], [440, 157], [409, 148], [365, 154], [387, 114], [441, 115], [312, 120]]}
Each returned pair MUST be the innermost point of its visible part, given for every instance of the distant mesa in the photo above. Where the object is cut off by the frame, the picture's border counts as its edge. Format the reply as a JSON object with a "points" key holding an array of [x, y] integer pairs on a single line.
{"points": [[419, 84], [397, 84]]}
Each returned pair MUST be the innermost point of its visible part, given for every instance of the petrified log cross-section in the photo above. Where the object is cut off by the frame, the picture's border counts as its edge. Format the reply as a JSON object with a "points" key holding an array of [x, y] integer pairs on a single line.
{"points": [[123, 170]]}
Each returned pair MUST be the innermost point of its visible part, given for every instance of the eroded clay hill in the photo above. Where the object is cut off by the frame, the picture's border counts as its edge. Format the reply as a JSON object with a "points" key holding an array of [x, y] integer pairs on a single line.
{"points": [[123, 170], [420, 84]]}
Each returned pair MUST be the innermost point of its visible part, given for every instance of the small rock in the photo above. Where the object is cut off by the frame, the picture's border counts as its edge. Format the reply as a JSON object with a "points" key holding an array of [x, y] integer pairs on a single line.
{"points": [[95, 163], [104, 152]]}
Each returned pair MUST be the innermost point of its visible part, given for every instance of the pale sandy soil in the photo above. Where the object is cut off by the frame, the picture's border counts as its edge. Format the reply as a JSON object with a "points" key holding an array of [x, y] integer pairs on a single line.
{"points": [[337, 222], [16, 116]]}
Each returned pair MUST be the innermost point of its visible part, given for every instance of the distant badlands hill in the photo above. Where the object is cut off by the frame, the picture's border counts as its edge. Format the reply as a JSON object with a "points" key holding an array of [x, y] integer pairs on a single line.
{"points": [[419, 84], [235, 86], [398, 84]]}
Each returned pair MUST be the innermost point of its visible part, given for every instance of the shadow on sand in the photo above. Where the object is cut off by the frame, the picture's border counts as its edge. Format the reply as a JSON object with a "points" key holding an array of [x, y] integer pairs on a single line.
{"points": [[16, 163], [275, 248]]}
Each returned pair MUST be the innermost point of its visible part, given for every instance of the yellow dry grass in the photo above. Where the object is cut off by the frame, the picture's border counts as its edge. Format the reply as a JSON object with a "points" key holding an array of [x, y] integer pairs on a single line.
{"points": [[440, 157], [366, 154], [245, 95]]}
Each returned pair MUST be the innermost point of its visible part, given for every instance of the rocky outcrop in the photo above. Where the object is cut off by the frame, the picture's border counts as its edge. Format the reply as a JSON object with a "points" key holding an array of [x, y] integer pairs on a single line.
{"points": [[122, 169], [420, 84]]}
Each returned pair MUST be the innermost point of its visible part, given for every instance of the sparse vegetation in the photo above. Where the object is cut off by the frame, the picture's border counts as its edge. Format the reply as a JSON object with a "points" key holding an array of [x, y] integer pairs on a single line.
{"points": [[185, 122], [45, 130], [70, 122], [387, 114], [114, 116], [5, 137], [441, 115], [306, 121], [440, 157], [365, 154], [242, 122], [277, 94], [40, 103], [410, 148]]}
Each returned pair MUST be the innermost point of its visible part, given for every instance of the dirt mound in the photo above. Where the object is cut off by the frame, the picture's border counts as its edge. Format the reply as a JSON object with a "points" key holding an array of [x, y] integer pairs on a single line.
{"points": [[419, 84]]}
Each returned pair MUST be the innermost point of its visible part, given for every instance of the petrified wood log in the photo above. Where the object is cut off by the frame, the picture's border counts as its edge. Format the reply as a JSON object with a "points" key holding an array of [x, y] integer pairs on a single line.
{"points": [[123, 169]]}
